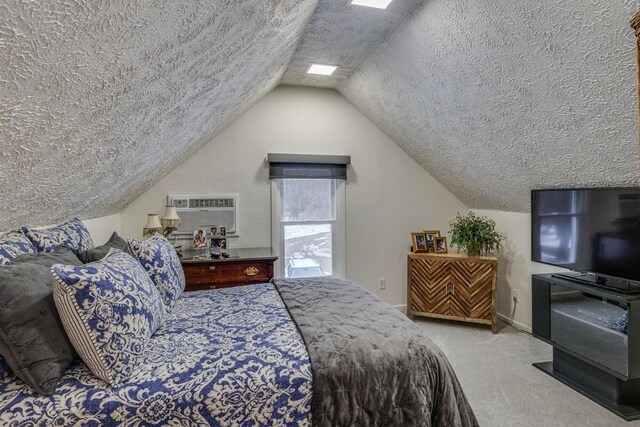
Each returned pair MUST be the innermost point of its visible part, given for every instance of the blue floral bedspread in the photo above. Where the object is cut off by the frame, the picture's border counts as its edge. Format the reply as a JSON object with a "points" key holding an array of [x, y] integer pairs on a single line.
{"points": [[230, 357]]}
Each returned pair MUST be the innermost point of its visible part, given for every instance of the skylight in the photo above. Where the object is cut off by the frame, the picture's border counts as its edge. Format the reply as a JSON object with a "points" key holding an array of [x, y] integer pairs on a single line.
{"points": [[323, 70], [378, 4]]}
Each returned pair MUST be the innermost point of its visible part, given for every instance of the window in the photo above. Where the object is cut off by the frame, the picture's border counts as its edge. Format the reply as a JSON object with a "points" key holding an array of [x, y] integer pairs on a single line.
{"points": [[559, 214], [308, 229], [307, 210]]}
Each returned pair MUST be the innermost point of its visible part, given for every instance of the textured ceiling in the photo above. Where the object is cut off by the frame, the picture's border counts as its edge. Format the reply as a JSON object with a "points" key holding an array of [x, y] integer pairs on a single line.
{"points": [[343, 34], [98, 100], [494, 98]]}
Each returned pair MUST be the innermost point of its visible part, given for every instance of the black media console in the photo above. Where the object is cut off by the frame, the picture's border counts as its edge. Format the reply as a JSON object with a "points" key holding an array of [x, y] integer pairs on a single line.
{"points": [[594, 351]]}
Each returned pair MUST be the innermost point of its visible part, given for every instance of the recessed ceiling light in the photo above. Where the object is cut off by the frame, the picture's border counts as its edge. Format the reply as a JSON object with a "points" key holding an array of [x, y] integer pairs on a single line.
{"points": [[324, 70], [378, 4]]}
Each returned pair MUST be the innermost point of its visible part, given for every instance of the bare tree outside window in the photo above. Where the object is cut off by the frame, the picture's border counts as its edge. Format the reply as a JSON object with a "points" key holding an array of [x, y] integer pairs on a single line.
{"points": [[307, 200]]}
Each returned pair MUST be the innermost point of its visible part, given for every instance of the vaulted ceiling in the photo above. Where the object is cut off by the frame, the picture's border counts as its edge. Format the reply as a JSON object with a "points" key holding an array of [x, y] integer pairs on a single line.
{"points": [[98, 100], [343, 34], [495, 98]]}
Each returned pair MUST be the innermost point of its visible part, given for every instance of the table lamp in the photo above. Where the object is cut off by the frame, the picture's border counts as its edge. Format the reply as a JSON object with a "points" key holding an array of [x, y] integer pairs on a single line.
{"points": [[152, 226], [170, 221]]}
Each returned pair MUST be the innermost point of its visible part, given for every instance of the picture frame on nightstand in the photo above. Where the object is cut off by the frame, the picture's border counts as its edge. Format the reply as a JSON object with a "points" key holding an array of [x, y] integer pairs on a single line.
{"points": [[218, 244], [217, 231], [200, 239]]}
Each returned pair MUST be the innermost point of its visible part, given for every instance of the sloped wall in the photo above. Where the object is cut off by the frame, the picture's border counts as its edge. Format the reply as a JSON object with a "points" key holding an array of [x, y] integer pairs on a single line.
{"points": [[388, 194], [98, 100], [494, 98]]}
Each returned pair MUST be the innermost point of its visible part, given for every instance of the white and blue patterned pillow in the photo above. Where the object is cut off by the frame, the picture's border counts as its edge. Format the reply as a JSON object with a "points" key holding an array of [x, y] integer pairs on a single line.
{"points": [[71, 234], [161, 261], [12, 245], [109, 309]]}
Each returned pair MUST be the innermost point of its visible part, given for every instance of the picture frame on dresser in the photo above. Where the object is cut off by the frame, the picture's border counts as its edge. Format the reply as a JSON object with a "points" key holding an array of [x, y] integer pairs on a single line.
{"points": [[431, 235], [440, 245], [419, 242]]}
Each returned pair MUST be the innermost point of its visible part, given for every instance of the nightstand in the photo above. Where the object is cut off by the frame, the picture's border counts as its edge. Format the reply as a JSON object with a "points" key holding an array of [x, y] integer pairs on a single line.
{"points": [[248, 266]]}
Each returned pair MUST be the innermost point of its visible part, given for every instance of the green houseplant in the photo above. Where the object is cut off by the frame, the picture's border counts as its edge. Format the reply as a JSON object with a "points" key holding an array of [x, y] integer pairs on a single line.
{"points": [[475, 234]]}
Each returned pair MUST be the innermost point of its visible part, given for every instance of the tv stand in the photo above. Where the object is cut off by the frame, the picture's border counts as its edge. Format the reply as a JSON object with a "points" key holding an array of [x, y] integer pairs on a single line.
{"points": [[593, 353], [619, 285]]}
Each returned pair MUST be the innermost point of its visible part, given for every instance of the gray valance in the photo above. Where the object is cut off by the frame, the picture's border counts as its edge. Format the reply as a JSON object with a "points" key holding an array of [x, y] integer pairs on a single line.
{"points": [[307, 166]]}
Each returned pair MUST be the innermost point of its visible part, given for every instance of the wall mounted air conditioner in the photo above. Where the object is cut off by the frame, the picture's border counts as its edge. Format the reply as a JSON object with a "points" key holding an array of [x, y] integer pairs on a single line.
{"points": [[198, 211]]}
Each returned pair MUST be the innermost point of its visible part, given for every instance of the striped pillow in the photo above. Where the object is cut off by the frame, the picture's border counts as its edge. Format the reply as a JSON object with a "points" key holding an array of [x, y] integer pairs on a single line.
{"points": [[109, 309]]}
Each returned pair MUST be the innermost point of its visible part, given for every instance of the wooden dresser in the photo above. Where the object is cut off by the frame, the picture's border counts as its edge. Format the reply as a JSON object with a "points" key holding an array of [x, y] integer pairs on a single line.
{"points": [[247, 266], [453, 286]]}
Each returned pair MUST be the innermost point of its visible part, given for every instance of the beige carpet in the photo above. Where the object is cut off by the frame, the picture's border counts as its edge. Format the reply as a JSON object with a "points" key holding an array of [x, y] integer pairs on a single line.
{"points": [[503, 388]]}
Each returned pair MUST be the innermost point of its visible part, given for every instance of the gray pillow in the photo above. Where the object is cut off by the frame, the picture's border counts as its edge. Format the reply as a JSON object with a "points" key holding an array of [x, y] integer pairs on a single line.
{"points": [[100, 252], [32, 339]]}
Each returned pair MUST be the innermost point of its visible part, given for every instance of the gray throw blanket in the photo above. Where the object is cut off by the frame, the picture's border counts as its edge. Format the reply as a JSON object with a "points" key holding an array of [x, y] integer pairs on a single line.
{"points": [[371, 365]]}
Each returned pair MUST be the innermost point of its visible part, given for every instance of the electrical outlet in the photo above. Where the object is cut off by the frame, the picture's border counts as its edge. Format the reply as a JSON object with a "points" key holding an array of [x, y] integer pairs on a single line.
{"points": [[516, 295], [382, 283]]}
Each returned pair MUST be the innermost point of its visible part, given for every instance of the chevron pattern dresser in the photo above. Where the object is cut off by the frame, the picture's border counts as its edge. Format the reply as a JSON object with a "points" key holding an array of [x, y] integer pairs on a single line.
{"points": [[453, 286]]}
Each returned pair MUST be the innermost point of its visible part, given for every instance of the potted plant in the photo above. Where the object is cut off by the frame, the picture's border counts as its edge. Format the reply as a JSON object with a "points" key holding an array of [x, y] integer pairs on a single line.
{"points": [[475, 234]]}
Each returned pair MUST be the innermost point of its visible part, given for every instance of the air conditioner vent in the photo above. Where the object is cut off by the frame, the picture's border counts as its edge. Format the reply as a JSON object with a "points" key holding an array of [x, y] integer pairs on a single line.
{"points": [[205, 211], [212, 203]]}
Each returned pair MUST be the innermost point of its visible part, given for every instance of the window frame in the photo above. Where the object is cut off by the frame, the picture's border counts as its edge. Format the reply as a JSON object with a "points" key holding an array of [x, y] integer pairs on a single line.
{"points": [[338, 228], [575, 214]]}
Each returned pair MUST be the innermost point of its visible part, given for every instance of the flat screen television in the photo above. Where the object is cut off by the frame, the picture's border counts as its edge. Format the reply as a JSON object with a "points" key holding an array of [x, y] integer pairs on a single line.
{"points": [[589, 230]]}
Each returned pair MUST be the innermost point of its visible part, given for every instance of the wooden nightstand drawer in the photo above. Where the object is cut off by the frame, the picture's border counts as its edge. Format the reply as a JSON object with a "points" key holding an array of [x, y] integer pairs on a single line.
{"points": [[228, 272], [248, 266]]}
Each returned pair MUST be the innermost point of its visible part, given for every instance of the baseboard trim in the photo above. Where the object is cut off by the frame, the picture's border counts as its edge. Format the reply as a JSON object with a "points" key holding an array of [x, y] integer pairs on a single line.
{"points": [[520, 326], [402, 308], [514, 323]]}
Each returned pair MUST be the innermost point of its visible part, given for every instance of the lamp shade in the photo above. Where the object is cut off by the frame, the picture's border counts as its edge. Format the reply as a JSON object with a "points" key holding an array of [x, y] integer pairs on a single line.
{"points": [[171, 213], [170, 221], [153, 226], [153, 221]]}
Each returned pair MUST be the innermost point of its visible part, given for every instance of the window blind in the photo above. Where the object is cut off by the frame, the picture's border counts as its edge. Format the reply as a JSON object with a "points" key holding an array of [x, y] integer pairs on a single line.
{"points": [[307, 166]]}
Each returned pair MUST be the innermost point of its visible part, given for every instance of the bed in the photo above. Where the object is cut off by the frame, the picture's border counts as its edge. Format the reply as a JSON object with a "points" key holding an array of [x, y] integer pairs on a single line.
{"points": [[291, 352]]}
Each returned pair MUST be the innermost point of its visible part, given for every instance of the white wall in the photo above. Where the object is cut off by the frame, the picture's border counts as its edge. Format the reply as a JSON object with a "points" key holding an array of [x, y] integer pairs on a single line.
{"points": [[388, 194], [102, 227], [515, 267]]}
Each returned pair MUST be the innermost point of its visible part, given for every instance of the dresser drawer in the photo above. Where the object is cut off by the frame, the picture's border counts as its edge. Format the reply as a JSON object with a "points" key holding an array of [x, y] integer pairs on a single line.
{"points": [[221, 272], [209, 286]]}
